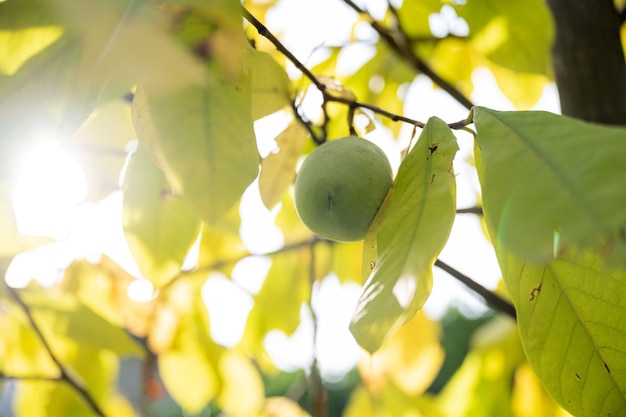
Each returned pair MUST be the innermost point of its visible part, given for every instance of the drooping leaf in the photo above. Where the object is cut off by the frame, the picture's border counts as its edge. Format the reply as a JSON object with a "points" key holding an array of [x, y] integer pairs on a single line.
{"points": [[489, 367], [160, 228], [103, 287], [242, 393], [524, 89], [203, 139], [570, 316], [188, 365], [410, 358], [64, 319], [550, 181], [269, 85], [410, 236], [278, 170], [221, 244], [278, 303], [501, 31]]}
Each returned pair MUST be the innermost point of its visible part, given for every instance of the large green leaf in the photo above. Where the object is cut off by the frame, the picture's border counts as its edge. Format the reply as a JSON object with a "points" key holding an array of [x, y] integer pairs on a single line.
{"points": [[570, 314], [414, 230], [202, 138], [515, 34], [160, 228], [550, 181]]}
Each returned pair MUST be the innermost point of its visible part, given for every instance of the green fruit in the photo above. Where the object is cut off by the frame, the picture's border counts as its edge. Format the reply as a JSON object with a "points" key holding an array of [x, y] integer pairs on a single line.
{"points": [[341, 186]]}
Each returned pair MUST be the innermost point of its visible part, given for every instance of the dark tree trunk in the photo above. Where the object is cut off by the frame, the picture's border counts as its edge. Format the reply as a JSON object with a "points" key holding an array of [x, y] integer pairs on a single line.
{"points": [[589, 63]]}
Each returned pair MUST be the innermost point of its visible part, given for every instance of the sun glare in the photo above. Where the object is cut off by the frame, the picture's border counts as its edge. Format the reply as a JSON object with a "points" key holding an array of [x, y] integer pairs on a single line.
{"points": [[50, 186]]}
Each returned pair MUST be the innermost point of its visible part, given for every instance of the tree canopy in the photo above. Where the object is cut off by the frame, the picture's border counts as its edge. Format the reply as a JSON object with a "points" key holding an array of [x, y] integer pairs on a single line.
{"points": [[181, 125]]}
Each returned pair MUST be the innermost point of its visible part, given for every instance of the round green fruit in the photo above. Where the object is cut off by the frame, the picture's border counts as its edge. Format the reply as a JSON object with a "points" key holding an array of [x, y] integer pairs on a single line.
{"points": [[341, 186]]}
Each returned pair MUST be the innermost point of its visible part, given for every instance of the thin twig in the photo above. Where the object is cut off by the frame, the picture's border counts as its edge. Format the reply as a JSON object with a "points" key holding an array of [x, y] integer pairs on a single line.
{"points": [[327, 95], [30, 377], [398, 41], [64, 373], [318, 396], [226, 262], [470, 210], [493, 300]]}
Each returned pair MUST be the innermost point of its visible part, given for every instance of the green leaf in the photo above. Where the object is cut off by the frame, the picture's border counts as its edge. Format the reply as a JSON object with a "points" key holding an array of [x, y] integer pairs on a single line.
{"points": [[278, 169], [515, 34], [413, 16], [277, 305], [270, 85], [411, 235], [570, 316], [202, 138], [160, 227], [550, 181]]}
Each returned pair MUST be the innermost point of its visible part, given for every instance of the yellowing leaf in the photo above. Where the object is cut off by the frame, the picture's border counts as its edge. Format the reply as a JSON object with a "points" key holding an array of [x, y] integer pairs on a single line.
{"points": [[160, 228], [570, 315], [277, 305], [203, 140], [21, 351], [517, 35], [220, 243], [522, 88], [242, 393], [530, 399], [189, 366], [19, 45], [278, 169], [188, 376], [550, 181], [488, 368], [410, 358], [270, 85], [455, 61], [409, 238], [282, 407]]}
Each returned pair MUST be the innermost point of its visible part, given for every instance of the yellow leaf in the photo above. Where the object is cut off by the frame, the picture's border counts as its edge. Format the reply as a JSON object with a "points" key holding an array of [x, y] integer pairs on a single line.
{"points": [[277, 305], [282, 407], [278, 170], [189, 367], [411, 358], [242, 393], [530, 399], [522, 88]]}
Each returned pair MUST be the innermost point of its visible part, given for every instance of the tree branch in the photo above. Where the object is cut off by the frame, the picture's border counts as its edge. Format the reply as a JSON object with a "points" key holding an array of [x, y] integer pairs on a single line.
{"points": [[327, 94], [493, 300], [398, 41], [64, 373], [588, 56]]}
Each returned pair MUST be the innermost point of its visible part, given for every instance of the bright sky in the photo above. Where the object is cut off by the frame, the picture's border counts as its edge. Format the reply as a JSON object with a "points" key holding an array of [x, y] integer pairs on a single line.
{"points": [[48, 200]]}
